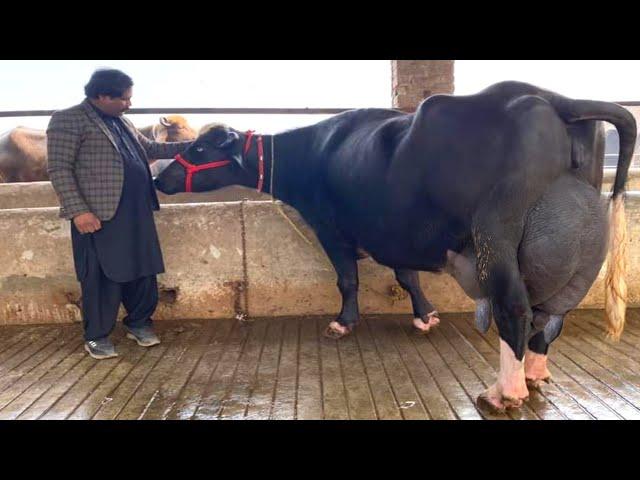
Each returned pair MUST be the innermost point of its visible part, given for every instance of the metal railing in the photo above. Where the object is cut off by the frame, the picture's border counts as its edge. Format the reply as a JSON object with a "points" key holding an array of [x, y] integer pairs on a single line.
{"points": [[611, 160], [221, 111], [224, 111]]}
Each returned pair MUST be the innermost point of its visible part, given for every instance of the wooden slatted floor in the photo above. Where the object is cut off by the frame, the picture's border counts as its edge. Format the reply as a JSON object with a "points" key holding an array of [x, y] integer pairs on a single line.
{"points": [[284, 369]]}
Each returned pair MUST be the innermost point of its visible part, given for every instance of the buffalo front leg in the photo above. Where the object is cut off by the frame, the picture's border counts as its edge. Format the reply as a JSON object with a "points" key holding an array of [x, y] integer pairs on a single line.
{"points": [[344, 259], [425, 315]]}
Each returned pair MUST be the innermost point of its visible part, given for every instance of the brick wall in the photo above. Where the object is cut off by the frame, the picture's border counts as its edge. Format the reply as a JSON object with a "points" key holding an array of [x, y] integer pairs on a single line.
{"points": [[414, 80]]}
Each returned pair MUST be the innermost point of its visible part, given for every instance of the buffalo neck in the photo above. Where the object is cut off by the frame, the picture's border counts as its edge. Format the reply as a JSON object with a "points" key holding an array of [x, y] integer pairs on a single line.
{"points": [[293, 169]]}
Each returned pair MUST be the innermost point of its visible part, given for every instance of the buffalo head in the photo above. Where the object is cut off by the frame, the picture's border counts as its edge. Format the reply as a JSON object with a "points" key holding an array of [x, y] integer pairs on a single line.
{"points": [[219, 151]]}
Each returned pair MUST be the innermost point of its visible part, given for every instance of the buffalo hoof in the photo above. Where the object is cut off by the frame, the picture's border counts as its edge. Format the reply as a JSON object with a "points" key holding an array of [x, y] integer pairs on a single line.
{"points": [[535, 370], [492, 403], [335, 331], [422, 327], [536, 383]]}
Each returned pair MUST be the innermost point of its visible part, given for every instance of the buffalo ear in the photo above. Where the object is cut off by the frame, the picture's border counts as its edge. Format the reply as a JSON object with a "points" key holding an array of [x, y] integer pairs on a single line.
{"points": [[222, 138], [229, 140]]}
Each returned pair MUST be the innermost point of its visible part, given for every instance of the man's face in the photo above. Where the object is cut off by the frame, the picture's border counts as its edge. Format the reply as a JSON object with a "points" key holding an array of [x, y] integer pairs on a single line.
{"points": [[114, 106]]}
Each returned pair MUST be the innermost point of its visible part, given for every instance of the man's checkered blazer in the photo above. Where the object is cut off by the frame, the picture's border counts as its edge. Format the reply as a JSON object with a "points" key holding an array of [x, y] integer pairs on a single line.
{"points": [[85, 166]]}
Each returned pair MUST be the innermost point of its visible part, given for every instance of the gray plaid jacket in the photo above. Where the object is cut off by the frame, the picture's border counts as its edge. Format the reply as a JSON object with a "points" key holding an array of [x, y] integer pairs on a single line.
{"points": [[84, 164]]}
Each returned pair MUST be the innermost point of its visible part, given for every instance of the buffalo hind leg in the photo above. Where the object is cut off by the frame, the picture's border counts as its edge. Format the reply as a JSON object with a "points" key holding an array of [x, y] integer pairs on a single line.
{"points": [[499, 276], [535, 360], [496, 236], [547, 329], [510, 390], [512, 314], [425, 315]]}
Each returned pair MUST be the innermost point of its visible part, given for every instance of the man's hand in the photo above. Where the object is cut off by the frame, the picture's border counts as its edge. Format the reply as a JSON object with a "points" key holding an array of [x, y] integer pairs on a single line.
{"points": [[87, 222]]}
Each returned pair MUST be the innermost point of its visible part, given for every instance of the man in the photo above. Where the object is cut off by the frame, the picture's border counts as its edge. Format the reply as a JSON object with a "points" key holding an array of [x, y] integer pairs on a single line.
{"points": [[98, 165]]}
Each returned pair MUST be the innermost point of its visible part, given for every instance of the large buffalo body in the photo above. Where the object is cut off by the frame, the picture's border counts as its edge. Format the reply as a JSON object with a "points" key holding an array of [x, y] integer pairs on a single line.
{"points": [[462, 172]]}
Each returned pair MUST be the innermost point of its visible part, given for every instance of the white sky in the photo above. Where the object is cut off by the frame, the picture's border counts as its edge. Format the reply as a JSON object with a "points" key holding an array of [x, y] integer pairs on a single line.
{"points": [[609, 80], [55, 84]]}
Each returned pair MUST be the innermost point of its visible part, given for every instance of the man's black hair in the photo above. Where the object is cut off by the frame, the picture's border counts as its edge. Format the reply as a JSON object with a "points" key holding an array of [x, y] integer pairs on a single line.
{"points": [[107, 81]]}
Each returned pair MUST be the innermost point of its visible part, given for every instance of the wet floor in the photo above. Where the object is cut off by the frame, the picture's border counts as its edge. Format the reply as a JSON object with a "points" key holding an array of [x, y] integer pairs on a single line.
{"points": [[285, 369]]}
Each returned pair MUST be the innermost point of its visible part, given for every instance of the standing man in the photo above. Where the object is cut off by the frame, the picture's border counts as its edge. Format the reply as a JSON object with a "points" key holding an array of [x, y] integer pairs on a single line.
{"points": [[98, 165]]}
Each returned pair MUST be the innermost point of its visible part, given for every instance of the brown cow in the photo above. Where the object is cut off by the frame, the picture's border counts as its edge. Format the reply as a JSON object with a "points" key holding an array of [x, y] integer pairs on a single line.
{"points": [[173, 128], [23, 155], [23, 151]]}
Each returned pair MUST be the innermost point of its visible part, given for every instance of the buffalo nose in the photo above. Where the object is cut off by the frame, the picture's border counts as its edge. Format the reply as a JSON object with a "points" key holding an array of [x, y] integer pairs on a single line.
{"points": [[156, 184], [159, 166]]}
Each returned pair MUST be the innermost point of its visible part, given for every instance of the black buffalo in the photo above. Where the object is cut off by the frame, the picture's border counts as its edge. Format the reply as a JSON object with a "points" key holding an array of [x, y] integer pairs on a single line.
{"points": [[461, 173]]}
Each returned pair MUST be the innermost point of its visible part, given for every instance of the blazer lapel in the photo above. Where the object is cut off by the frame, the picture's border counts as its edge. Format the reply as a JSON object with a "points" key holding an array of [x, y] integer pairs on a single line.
{"points": [[91, 113]]}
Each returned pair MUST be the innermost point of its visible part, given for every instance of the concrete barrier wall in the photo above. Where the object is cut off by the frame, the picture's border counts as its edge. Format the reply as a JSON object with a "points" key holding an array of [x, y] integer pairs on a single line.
{"points": [[41, 194], [202, 248], [221, 259], [633, 182]]}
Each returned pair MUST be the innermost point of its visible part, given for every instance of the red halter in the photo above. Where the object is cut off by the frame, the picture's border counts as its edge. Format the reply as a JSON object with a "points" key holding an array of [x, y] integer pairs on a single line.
{"points": [[191, 169], [247, 145]]}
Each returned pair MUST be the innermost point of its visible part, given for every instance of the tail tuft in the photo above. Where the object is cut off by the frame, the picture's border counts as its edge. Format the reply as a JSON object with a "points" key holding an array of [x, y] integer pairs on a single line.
{"points": [[615, 280]]}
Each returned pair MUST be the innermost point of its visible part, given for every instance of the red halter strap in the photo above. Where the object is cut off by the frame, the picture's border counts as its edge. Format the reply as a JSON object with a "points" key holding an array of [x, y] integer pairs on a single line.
{"points": [[247, 146], [191, 169]]}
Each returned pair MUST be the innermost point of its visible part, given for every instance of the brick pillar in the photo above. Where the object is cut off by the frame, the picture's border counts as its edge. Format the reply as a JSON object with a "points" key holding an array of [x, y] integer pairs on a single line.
{"points": [[414, 80]]}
